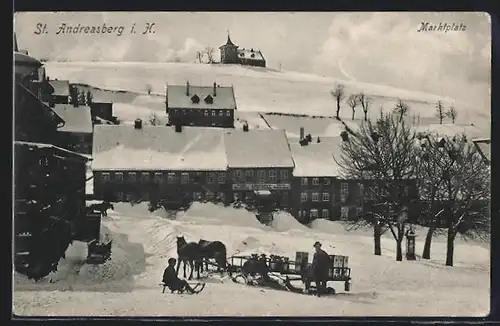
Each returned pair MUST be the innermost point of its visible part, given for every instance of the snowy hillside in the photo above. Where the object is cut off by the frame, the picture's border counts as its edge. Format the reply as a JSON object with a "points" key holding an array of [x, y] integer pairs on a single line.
{"points": [[256, 89], [128, 284]]}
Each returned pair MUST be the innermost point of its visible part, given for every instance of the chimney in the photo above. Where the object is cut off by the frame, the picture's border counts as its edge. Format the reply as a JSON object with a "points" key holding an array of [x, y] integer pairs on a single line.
{"points": [[344, 135], [178, 128], [187, 88], [138, 124], [245, 126], [301, 132], [318, 140], [215, 89]]}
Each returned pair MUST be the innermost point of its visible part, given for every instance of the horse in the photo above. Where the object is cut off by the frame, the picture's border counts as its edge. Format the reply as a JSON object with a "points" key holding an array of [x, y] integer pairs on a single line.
{"points": [[102, 207], [213, 250], [188, 253]]}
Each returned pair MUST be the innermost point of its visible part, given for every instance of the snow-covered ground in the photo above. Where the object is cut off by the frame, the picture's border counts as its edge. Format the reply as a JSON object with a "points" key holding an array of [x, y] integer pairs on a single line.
{"points": [[127, 285], [256, 90]]}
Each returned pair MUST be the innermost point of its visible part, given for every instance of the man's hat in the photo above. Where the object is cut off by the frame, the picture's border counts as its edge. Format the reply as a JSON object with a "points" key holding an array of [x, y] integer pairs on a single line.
{"points": [[172, 260], [317, 243]]}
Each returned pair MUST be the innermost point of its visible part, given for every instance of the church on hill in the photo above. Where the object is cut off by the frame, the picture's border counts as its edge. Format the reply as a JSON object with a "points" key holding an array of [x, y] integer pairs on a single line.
{"points": [[230, 53]]}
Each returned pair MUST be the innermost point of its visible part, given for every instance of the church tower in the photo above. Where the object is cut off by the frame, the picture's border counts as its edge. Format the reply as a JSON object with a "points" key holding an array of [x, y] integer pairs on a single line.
{"points": [[228, 52]]}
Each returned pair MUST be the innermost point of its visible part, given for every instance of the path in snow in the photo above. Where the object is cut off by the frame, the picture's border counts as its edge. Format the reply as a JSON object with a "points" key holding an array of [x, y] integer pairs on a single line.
{"points": [[128, 285]]}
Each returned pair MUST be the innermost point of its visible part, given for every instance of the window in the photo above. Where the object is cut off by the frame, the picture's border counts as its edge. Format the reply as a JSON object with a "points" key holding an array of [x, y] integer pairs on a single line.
{"points": [[325, 213], [314, 213], [359, 210], [145, 176], [221, 113], [158, 176], [184, 177], [171, 177], [129, 197], [228, 113], [105, 176], [272, 175], [361, 189], [303, 196], [119, 196], [221, 196], [262, 176], [210, 177], [214, 113], [196, 195], [132, 176], [237, 175], [315, 196], [119, 176], [406, 190], [284, 175], [326, 181], [344, 212], [221, 178], [326, 196], [303, 181], [300, 212], [209, 195], [249, 174], [344, 191], [206, 113], [315, 181]]}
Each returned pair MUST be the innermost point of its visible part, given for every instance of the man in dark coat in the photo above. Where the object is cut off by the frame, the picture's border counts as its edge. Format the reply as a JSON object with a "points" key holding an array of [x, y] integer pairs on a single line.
{"points": [[320, 265], [172, 281]]}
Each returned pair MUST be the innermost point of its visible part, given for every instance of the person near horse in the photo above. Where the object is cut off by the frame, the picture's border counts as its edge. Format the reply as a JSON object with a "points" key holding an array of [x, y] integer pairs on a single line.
{"points": [[320, 265], [172, 281]]}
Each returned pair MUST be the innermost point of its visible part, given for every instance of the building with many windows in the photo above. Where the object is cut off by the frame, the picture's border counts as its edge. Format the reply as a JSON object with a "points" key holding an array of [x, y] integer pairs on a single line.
{"points": [[202, 106], [259, 161], [157, 162], [316, 193]]}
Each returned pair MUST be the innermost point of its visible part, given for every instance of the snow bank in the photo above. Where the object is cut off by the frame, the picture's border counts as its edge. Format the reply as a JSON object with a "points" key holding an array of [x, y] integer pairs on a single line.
{"points": [[209, 213], [284, 221]]}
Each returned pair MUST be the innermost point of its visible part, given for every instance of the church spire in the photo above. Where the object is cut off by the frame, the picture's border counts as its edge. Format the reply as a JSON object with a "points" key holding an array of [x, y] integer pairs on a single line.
{"points": [[229, 42]]}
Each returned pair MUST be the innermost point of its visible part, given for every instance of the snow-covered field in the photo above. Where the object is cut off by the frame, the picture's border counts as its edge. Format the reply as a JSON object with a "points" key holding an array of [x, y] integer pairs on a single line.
{"points": [[256, 90], [127, 285]]}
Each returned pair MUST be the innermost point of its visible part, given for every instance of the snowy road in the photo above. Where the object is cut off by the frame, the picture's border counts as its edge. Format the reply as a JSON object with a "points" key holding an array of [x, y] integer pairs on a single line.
{"points": [[128, 285]]}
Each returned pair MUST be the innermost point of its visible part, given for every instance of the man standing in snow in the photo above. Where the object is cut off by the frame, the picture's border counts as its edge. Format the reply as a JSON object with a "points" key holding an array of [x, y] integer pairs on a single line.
{"points": [[320, 265], [173, 282]]}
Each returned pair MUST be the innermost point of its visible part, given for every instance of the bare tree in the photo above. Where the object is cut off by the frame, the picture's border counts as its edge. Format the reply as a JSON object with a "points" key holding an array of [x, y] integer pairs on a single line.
{"points": [[176, 59], [365, 102], [452, 113], [401, 109], [209, 51], [465, 192], [199, 56], [383, 154], [149, 88], [440, 112], [352, 101], [338, 94]]}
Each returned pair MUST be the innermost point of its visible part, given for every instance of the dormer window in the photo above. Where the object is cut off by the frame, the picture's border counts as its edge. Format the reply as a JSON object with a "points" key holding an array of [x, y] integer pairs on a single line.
{"points": [[209, 99], [242, 54], [195, 99], [252, 55]]}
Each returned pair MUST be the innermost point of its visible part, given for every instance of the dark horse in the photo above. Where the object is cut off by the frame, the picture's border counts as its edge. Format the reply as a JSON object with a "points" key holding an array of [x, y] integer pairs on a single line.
{"points": [[256, 265], [102, 207], [213, 250], [188, 253]]}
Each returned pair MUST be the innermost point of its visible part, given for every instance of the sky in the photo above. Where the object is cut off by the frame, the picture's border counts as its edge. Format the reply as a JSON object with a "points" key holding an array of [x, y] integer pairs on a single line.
{"points": [[376, 47]]}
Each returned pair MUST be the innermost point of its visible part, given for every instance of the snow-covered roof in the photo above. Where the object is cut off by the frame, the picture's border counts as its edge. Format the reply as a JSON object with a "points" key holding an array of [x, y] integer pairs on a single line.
{"points": [[223, 99], [57, 149], [257, 149], [250, 54], [61, 87], [77, 119], [122, 147], [316, 159]]}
